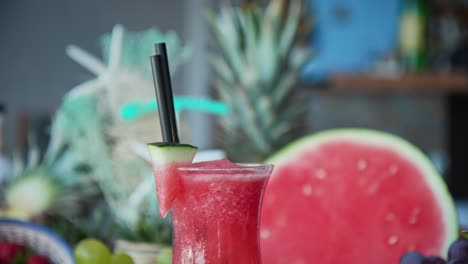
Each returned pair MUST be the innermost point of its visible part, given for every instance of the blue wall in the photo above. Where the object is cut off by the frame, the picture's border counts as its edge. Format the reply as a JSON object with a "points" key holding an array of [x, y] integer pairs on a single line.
{"points": [[349, 35]]}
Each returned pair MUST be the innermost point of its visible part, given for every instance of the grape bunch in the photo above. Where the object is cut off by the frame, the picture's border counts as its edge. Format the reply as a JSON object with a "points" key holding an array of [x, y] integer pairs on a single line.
{"points": [[93, 251], [457, 254]]}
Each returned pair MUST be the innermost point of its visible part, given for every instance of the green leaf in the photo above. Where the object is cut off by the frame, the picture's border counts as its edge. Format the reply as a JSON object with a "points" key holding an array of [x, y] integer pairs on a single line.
{"points": [[273, 14], [286, 83], [266, 111], [250, 36], [249, 116], [221, 69], [290, 29], [266, 56], [229, 49], [257, 79], [227, 21]]}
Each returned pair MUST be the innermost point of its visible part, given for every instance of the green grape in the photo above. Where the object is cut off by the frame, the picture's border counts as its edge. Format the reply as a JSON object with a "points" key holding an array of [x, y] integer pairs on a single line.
{"points": [[92, 251], [121, 258], [165, 256]]}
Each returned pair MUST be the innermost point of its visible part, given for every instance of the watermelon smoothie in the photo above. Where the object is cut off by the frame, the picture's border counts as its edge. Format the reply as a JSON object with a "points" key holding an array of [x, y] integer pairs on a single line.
{"points": [[216, 213]]}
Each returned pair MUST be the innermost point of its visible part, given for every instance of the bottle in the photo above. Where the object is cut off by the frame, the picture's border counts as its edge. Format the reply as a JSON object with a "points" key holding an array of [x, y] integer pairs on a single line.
{"points": [[412, 35]]}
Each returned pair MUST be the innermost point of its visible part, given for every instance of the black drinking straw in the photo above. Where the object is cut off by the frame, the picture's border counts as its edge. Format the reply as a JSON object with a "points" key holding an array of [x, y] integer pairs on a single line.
{"points": [[162, 84], [160, 49]]}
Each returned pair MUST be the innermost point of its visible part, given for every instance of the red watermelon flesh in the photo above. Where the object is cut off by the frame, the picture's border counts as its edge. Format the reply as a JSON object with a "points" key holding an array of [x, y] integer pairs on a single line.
{"points": [[354, 196], [168, 184]]}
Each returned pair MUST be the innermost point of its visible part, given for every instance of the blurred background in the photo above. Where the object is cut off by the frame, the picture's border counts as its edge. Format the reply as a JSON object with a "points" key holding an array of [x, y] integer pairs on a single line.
{"points": [[394, 65], [362, 63]]}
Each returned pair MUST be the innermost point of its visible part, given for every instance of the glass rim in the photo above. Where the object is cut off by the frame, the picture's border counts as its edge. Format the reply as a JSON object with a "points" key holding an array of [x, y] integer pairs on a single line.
{"points": [[250, 167]]}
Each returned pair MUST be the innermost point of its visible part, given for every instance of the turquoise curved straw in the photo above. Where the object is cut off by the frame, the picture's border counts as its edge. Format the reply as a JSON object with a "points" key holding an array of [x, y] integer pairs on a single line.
{"points": [[136, 110]]}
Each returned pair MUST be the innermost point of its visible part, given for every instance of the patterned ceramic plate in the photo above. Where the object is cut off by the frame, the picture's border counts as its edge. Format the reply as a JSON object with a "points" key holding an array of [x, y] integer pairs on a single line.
{"points": [[38, 238]]}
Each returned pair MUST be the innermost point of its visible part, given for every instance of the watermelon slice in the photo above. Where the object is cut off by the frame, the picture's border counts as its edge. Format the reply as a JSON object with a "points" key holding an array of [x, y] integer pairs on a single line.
{"points": [[167, 157], [354, 196]]}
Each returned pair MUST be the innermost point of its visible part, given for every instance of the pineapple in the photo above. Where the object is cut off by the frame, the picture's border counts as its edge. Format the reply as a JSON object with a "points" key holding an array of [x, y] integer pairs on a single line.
{"points": [[48, 186], [31, 194], [255, 74]]}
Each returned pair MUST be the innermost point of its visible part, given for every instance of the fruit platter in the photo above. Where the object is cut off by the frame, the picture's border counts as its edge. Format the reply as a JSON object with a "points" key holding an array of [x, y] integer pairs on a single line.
{"points": [[30, 243], [24, 242]]}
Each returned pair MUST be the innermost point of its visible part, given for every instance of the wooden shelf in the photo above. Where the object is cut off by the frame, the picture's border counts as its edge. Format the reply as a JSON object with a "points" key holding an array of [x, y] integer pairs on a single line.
{"points": [[440, 82]]}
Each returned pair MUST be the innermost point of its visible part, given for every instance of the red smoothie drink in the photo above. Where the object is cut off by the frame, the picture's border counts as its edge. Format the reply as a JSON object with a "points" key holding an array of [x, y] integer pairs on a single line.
{"points": [[216, 213]]}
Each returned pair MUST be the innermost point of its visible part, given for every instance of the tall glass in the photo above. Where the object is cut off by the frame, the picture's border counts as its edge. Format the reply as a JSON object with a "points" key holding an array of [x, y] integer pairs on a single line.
{"points": [[216, 218]]}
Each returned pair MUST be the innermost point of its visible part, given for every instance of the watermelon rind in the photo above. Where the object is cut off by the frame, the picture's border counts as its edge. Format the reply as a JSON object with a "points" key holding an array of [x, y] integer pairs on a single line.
{"points": [[165, 153], [385, 140]]}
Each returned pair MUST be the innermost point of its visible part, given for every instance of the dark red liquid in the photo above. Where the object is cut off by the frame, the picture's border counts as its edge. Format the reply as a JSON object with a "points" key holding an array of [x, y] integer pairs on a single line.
{"points": [[216, 217]]}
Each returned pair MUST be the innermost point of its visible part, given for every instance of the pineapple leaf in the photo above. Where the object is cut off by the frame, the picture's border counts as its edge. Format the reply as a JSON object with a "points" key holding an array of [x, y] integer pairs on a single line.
{"points": [[229, 47], [290, 29], [250, 36], [256, 13], [225, 91], [221, 68], [251, 124], [249, 77], [266, 111], [273, 14], [266, 56], [285, 86], [288, 79], [256, 76], [227, 26]]}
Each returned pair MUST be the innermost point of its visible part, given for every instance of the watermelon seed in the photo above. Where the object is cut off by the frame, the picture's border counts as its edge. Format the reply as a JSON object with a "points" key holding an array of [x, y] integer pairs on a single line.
{"points": [[392, 240], [361, 165], [307, 190], [373, 188], [320, 174], [390, 217], [413, 219], [393, 169], [265, 233]]}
